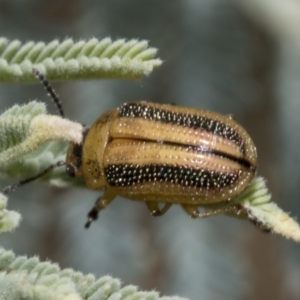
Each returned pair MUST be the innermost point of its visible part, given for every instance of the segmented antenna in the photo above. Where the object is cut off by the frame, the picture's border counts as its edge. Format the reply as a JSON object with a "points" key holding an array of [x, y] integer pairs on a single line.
{"points": [[12, 187], [49, 89]]}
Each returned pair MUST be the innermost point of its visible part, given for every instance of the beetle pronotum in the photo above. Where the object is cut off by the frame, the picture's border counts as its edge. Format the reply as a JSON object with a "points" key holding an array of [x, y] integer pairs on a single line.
{"points": [[161, 153]]}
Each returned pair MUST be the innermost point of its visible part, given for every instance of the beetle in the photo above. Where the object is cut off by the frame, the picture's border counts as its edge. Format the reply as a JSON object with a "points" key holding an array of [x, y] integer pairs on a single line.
{"points": [[160, 153]]}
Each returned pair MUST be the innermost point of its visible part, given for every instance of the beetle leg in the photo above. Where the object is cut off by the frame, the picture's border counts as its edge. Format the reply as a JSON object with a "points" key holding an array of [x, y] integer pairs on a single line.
{"points": [[193, 211], [155, 210], [238, 209], [100, 204]]}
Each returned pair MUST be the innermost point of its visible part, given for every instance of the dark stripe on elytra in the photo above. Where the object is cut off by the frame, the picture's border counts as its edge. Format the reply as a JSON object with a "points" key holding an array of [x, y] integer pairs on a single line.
{"points": [[241, 161], [138, 110], [125, 175]]}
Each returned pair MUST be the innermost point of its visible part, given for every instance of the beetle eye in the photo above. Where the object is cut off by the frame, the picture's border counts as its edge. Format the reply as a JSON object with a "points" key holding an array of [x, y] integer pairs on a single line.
{"points": [[71, 170]]}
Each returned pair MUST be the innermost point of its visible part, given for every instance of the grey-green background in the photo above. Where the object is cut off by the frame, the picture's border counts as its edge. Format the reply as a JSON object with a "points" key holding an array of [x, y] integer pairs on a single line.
{"points": [[234, 57]]}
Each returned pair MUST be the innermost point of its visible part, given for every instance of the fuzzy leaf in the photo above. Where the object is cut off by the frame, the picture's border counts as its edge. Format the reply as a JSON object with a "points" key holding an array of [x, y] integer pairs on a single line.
{"points": [[15, 123], [28, 278], [69, 60], [25, 128], [9, 220], [257, 200]]}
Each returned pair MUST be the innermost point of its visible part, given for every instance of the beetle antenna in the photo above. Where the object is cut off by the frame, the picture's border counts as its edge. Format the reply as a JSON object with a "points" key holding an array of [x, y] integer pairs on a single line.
{"points": [[49, 89], [12, 187]]}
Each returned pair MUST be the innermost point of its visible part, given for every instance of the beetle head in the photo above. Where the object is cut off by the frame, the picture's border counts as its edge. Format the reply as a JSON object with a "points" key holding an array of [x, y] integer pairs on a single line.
{"points": [[74, 156]]}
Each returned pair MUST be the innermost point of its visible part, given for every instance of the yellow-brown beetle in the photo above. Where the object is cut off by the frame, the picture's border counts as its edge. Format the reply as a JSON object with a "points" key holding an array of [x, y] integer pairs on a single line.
{"points": [[164, 154], [161, 153]]}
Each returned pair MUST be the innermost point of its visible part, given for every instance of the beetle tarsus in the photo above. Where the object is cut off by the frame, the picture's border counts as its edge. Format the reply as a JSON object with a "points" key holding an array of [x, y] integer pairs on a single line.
{"points": [[88, 223], [156, 210], [92, 216], [154, 213]]}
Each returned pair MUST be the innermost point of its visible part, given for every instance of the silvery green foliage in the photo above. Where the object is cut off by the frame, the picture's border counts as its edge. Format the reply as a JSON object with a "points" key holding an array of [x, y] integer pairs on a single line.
{"points": [[24, 151], [9, 220], [221, 63], [76, 60], [15, 123], [257, 200], [28, 278]]}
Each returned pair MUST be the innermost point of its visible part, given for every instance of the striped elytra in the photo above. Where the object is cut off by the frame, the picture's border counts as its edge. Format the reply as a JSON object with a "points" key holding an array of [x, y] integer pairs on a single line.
{"points": [[165, 154]]}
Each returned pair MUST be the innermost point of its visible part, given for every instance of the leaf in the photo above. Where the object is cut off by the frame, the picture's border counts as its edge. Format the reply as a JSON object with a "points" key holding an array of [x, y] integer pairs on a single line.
{"points": [[257, 201], [24, 129], [69, 60], [9, 220], [28, 278]]}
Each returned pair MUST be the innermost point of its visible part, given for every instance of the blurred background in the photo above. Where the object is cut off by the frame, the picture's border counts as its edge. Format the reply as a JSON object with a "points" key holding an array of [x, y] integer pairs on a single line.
{"points": [[234, 57]]}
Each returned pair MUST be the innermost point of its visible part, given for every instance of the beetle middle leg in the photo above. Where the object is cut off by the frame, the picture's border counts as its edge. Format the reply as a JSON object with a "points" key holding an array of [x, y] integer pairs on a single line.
{"points": [[100, 204], [155, 210]]}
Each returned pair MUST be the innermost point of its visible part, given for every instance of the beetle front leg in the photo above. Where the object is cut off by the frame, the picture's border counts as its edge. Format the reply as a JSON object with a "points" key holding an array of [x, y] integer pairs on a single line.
{"points": [[155, 210], [100, 204]]}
